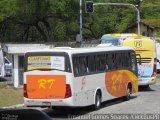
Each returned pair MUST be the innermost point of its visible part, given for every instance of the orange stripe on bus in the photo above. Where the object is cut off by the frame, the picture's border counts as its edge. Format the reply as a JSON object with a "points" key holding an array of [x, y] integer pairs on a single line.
{"points": [[116, 82], [141, 50]]}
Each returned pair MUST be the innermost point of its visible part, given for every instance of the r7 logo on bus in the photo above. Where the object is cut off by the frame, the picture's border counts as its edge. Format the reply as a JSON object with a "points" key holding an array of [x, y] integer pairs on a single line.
{"points": [[43, 83], [138, 44]]}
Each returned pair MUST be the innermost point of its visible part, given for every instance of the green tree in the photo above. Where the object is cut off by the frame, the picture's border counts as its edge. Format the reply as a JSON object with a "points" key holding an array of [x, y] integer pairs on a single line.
{"points": [[109, 19], [58, 20]]}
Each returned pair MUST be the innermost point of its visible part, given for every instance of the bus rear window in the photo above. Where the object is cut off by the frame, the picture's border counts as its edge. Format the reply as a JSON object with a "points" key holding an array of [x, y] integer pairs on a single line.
{"points": [[47, 62]]}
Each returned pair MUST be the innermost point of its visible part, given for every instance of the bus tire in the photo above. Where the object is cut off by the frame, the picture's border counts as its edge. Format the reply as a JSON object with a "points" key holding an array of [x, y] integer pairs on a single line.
{"points": [[146, 86], [129, 92], [98, 100]]}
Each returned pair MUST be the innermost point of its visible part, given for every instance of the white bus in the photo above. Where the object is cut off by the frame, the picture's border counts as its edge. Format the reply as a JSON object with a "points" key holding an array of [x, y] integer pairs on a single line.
{"points": [[79, 76]]}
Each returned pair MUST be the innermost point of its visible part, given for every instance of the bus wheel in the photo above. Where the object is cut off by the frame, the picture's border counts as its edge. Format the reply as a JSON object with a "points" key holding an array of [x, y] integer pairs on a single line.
{"points": [[98, 99], [128, 95]]}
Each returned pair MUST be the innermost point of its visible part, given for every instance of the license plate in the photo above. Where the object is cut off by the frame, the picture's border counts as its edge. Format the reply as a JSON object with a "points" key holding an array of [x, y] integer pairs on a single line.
{"points": [[46, 103]]}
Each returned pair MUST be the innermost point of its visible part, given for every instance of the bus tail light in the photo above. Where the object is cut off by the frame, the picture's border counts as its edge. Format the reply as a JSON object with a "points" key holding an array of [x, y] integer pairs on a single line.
{"points": [[154, 70], [25, 91], [68, 91]]}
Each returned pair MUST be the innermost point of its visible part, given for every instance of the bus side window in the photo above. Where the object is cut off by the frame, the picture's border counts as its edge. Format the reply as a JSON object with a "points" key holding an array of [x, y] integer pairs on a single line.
{"points": [[100, 63], [116, 61], [126, 59], [129, 59], [106, 62], [97, 63], [83, 65], [76, 65], [119, 62], [109, 61], [123, 59], [91, 63], [113, 60], [133, 62]]}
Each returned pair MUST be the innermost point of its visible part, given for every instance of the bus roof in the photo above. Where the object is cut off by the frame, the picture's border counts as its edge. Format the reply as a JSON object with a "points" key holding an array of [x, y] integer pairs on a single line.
{"points": [[83, 50], [119, 35], [139, 38]]}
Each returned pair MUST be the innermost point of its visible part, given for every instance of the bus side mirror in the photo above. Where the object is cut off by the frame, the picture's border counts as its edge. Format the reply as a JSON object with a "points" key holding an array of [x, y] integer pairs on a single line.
{"points": [[138, 57]]}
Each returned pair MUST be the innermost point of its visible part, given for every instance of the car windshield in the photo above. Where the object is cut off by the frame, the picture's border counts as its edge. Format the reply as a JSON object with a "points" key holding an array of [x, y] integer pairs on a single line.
{"points": [[109, 41], [105, 39]]}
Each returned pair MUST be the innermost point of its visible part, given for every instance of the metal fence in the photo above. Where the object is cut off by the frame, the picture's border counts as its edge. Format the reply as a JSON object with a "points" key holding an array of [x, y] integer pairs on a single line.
{"points": [[91, 43]]}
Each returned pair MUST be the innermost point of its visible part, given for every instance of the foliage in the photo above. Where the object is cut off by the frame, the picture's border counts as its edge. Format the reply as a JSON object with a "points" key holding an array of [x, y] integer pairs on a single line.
{"points": [[58, 20]]}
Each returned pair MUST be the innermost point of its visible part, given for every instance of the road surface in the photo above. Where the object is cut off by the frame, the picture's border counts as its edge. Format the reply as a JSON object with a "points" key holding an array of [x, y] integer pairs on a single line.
{"points": [[146, 101]]}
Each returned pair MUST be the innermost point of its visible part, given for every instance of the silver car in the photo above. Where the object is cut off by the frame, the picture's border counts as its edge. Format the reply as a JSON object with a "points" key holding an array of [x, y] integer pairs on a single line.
{"points": [[8, 67]]}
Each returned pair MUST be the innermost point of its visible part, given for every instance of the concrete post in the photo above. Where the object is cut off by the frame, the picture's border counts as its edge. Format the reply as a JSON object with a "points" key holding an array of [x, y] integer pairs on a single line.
{"points": [[15, 71]]}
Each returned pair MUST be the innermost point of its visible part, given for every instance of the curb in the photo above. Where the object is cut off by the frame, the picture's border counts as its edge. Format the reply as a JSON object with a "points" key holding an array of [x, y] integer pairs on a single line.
{"points": [[14, 106]]}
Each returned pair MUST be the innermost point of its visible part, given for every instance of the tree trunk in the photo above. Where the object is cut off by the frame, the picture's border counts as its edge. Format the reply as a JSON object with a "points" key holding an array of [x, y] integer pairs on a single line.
{"points": [[42, 32], [26, 34], [48, 28]]}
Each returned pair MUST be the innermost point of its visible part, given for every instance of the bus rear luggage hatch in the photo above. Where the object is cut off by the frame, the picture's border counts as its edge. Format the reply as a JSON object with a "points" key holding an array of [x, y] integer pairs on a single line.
{"points": [[46, 86]]}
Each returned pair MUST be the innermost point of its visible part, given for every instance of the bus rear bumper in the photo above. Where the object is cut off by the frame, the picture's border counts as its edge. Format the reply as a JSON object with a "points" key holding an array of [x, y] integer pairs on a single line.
{"points": [[47, 102], [147, 81]]}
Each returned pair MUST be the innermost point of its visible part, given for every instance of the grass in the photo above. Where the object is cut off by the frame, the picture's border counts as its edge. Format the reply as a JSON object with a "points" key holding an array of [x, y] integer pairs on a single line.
{"points": [[9, 95]]}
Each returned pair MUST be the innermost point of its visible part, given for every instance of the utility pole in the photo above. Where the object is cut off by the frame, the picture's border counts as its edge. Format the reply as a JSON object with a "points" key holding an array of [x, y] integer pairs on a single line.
{"points": [[125, 4], [80, 22]]}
